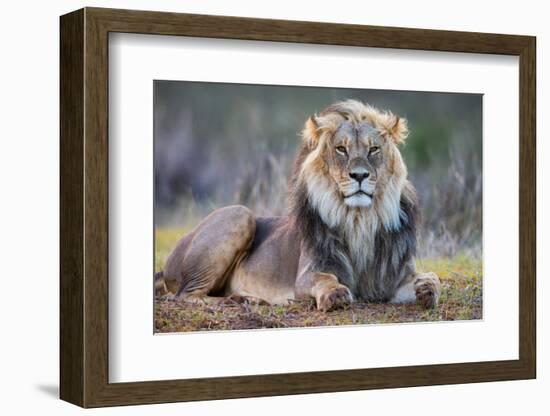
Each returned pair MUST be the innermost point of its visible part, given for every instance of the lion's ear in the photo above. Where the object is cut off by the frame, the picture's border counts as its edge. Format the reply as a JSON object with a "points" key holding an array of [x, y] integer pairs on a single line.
{"points": [[396, 129], [311, 133]]}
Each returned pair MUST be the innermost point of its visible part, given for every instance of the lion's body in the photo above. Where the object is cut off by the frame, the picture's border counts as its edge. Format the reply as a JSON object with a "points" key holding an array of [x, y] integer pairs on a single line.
{"points": [[350, 233]]}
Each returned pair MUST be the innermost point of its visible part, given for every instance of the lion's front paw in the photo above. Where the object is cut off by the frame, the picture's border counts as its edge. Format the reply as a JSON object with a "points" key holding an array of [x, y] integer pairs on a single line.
{"points": [[427, 288], [334, 298]]}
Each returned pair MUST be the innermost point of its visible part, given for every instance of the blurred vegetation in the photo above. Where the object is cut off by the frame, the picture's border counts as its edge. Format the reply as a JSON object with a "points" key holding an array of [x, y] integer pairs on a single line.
{"points": [[219, 144]]}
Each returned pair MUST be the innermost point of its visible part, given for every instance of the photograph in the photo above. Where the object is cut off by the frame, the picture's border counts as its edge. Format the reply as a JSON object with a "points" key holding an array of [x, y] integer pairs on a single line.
{"points": [[292, 206]]}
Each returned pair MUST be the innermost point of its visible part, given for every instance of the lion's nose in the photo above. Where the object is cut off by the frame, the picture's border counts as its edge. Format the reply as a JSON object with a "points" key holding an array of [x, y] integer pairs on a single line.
{"points": [[359, 175]]}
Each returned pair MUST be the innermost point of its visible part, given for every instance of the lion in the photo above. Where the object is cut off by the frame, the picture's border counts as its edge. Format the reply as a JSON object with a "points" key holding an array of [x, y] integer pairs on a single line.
{"points": [[350, 233]]}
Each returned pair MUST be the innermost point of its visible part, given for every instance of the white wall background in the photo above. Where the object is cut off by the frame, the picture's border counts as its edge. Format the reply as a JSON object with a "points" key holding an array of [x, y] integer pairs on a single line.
{"points": [[29, 159]]}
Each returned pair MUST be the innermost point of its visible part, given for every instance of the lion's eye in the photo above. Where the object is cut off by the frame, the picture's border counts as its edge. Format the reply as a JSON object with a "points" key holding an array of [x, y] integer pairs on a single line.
{"points": [[373, 150], [341, 149]]}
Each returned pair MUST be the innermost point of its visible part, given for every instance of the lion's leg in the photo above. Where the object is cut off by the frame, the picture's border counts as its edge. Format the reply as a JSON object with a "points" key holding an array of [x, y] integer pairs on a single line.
{"points": [[423, 288], [219, 242], [324, 288]]}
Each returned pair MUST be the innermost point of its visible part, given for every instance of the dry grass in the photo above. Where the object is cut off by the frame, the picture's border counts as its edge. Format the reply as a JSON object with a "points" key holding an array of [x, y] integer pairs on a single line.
{"points": [[461, 299]]}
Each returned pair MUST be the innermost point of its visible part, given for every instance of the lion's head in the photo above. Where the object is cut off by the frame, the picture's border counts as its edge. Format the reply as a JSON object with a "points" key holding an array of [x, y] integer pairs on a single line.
{"points": [[351, 163], [351, 197]]}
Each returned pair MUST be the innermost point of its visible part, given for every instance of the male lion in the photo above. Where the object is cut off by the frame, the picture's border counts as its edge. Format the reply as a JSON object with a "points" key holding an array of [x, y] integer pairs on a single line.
{"points": [[350, 233]]}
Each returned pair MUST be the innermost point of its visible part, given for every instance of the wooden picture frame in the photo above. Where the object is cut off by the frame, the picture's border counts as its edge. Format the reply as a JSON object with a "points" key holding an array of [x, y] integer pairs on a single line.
{"points": [[84, 207]]}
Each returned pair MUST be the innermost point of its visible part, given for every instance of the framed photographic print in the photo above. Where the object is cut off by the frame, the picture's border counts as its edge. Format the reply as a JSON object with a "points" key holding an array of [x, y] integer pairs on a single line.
{"points": [[282, 207]]}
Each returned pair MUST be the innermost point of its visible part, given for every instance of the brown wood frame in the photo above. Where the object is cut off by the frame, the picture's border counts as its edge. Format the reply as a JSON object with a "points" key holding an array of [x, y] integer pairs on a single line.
{"points": [[84, 207]]}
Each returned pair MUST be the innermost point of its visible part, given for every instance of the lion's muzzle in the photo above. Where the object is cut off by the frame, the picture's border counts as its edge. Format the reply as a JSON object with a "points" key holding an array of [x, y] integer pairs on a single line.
{"points": [[360, 189]]}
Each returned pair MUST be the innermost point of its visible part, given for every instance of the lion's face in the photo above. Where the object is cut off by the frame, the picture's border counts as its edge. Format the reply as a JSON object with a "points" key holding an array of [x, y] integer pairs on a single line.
{"points": [[355, 159], [352, 164]]}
